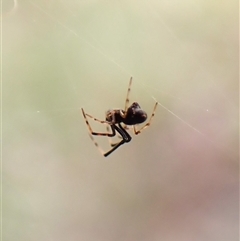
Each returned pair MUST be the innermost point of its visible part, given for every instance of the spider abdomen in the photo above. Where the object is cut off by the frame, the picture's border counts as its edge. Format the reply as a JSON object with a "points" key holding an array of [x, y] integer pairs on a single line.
{"points": [[134, 115], [134, 119]]}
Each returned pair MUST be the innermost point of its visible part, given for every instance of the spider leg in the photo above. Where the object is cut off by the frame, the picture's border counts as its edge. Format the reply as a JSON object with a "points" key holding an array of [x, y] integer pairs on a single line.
{"points": [[122, 132], [125, 127], [94, 118], [111, 143], [114, 148], [136, 132], [103, 122], [128, 92], [96, 144], [126, 138], [96, 133]]}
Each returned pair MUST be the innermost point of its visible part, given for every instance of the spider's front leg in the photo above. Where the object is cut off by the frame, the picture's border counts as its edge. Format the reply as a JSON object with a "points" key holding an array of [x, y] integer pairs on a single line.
{"points": [[125, 127], [103, 122], [91, 133], [125, 138]]}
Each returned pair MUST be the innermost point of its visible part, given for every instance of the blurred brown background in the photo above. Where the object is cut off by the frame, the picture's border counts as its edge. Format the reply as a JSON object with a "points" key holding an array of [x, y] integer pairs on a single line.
{"points": [[178, 180]]}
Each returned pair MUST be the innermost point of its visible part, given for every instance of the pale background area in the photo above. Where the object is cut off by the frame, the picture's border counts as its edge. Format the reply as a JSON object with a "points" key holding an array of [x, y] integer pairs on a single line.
{"points": [[178, 180]]}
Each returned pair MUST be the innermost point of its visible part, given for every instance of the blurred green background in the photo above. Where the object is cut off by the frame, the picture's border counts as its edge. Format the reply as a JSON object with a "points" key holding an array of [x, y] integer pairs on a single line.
{"points": [[178, 180]]}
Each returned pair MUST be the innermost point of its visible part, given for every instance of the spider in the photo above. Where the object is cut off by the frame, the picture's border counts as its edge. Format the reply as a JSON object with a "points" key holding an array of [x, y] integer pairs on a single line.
{"points": [[130, 116]]}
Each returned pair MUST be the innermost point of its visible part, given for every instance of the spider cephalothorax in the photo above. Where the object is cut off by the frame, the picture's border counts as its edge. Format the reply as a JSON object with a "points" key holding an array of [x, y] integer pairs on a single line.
{"points": [[131, 115]]}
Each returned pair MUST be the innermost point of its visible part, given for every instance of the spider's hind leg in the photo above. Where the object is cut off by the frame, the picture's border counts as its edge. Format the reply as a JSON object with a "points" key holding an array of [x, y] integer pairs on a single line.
{"points": [[136, 132]]}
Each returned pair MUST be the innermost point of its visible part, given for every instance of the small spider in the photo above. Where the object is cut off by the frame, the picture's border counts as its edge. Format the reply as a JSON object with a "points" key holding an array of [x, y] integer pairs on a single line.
{"points": [[130, 116]]}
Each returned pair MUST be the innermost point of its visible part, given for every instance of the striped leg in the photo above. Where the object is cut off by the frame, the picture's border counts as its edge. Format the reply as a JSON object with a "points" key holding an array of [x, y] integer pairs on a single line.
{"points": [[128, 92], [91, 132], [103, 122], [136, 132]]}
